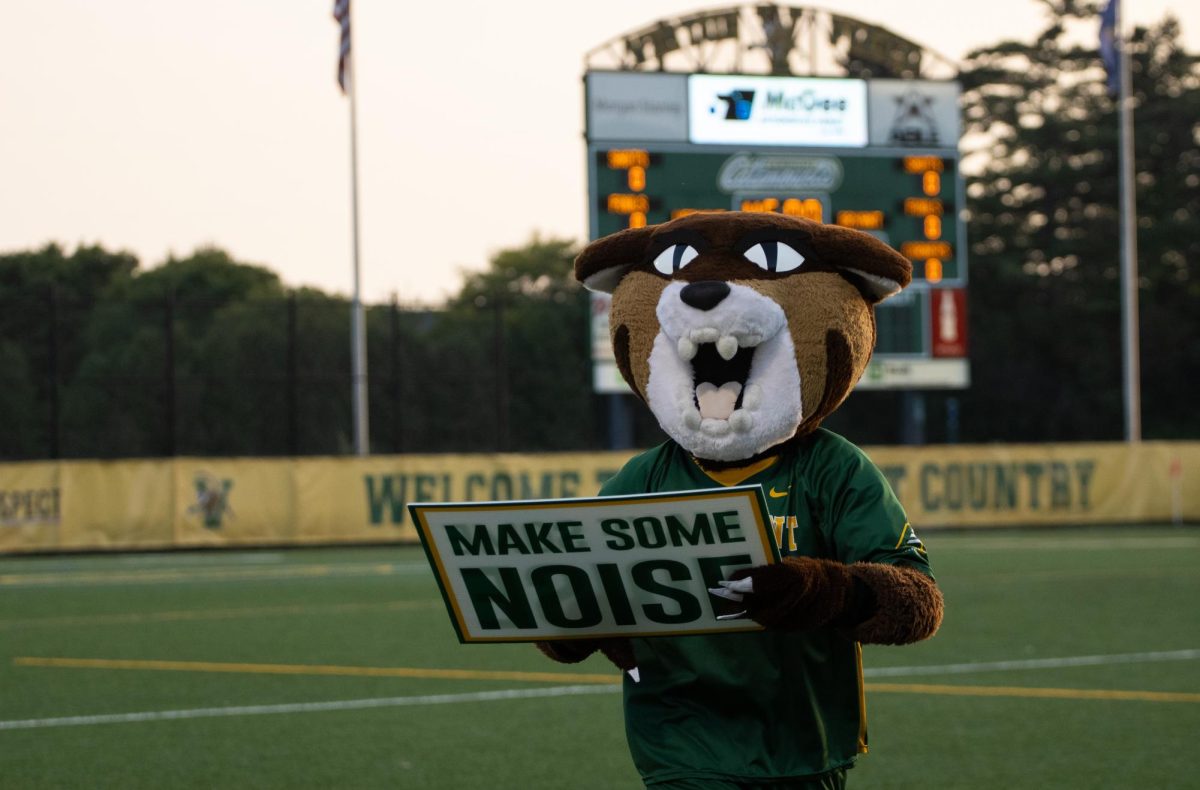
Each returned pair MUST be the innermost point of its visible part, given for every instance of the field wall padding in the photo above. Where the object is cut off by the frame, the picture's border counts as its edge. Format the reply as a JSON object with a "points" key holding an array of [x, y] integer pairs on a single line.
{"points": [[212, 502]]}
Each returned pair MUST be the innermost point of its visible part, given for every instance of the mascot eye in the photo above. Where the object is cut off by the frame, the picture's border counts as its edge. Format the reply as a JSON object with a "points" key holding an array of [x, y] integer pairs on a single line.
{"points": [[674, 258], [774, 256]]}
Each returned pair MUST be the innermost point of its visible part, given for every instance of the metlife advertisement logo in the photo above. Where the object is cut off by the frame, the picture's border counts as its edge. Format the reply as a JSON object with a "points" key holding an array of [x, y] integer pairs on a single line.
{"points": [[777, 111]]}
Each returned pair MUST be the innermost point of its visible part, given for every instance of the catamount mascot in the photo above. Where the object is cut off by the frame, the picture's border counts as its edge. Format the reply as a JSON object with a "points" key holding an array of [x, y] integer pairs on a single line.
{"points": [[741, 332]]}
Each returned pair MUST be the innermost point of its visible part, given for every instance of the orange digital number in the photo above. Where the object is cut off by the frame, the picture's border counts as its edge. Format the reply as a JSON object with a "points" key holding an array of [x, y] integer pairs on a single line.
{"points": [[933, 227], [636, 176], [623, 159]]}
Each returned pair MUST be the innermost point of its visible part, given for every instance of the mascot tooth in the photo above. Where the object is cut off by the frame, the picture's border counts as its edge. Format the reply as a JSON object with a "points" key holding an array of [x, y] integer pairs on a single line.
{"points": [[742, 332]]}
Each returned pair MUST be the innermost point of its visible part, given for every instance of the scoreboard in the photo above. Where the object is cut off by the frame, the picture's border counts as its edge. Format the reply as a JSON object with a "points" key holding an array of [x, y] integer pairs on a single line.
{"points": [[879, 156], [901, 199]]}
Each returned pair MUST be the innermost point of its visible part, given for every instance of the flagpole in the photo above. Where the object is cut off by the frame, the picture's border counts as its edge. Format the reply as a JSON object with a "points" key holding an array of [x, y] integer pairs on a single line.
{"points": [[1131, 365], [358, 335]]}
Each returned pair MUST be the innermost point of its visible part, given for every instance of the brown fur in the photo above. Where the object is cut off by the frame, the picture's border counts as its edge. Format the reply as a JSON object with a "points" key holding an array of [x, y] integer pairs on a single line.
{"points": [[633, 313], [567, 651], [908, 604], [799, 593], [900, 605], [617, 651]]}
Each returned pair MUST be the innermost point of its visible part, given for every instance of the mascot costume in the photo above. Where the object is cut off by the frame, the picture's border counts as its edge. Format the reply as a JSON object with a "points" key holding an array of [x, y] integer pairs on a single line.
{"points": [[741, 332]]}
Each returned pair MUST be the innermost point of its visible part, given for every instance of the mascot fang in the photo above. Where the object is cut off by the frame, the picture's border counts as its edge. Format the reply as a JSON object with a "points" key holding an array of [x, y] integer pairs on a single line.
{"points": [[742, 332]]}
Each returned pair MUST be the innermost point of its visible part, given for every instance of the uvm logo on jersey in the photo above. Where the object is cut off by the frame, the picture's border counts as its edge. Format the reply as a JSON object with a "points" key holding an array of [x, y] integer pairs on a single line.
{"points": [[212, 499], [738, 104]]}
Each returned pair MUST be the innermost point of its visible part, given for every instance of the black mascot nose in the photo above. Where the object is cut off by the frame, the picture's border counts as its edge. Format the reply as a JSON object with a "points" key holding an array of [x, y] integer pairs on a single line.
{"points": [[704, 295]]}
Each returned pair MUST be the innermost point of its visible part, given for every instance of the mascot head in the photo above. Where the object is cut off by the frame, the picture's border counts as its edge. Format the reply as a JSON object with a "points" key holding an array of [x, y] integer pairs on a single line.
{"points": [[742, 331]]}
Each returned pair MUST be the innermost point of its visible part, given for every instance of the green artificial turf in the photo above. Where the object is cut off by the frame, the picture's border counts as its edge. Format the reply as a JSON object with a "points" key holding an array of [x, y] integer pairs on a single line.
{"points": [[1011, 596]]}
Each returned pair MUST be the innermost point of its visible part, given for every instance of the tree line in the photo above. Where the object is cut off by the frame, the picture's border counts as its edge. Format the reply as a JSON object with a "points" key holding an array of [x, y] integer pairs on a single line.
{"points": [[206, 355]]}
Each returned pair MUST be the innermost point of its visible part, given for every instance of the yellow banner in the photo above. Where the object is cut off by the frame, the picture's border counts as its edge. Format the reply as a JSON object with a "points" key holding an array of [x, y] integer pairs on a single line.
{"points": [[30, 507], [1002, 485], [367, 499], [233, 501], [116, 504], [72, 505]]}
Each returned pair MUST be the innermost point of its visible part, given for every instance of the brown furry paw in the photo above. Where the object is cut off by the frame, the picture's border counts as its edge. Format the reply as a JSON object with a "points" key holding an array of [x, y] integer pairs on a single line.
{"points": [[568, 651], [619, 652], [572, 651], [799, 593], [870, 602]]}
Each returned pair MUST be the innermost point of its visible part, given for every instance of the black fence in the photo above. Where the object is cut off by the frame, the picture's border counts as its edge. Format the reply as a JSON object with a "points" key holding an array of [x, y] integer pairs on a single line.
{"points": [[165, 376], [172, 376]]}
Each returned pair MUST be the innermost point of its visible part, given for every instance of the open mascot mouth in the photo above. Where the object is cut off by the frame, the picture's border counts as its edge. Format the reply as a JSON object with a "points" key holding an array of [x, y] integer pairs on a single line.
{"points": [[723, 381], [719, 381]]}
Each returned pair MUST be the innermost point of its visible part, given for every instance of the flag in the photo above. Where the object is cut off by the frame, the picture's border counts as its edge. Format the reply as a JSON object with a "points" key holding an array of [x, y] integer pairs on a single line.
{"points": [[1109, 53], [341, 12]]}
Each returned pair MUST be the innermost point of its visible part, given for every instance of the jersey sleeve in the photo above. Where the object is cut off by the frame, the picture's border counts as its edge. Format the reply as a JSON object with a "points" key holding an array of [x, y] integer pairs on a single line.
{"points": [[863, 519]]}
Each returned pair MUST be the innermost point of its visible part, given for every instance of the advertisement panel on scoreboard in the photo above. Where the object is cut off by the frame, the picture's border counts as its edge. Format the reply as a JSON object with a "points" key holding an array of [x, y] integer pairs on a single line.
{"points": [[634, 106], [914, 113], [777, 110]]}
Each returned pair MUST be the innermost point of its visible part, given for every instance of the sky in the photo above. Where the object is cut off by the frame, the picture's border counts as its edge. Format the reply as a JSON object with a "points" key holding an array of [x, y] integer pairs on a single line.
{"points": [[157, 126]]}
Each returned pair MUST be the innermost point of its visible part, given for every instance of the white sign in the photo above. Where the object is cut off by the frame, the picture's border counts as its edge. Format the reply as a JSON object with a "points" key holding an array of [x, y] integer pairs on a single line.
{"points": [[607, 379], [780, 173], [636, 106], [601, 305], [607, 566], [797, 111], [606, 376], [918, 113], [950, 373]]}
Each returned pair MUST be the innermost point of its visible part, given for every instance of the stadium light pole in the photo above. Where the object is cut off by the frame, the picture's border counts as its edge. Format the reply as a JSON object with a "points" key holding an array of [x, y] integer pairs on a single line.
{"points": [[1130, 346]]}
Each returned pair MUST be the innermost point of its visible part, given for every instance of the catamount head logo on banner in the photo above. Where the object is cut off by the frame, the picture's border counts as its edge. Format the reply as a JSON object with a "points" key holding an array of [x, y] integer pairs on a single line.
{"points": [[212, 499]]}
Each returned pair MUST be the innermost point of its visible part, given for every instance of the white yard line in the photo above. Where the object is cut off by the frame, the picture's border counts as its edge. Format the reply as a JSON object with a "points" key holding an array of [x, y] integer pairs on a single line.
{"points": [[210, 574], [230, 557], [185, 615], [82, 563], [563, 691], [1067, 543], [1032, 663], [307, 707]]}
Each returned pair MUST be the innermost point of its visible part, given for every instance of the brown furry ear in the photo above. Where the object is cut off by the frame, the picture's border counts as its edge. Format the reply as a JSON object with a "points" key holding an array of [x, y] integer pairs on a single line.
{"points": [[880, 270], [602, 264]]}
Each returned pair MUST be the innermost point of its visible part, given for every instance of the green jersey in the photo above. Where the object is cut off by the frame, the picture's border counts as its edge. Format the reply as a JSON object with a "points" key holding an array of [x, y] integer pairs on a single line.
{"points": [[765, 704]]}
